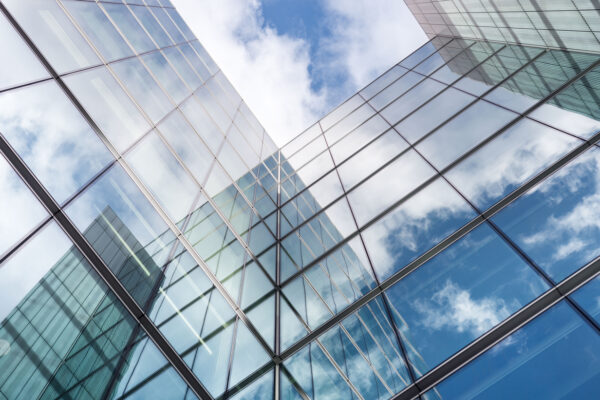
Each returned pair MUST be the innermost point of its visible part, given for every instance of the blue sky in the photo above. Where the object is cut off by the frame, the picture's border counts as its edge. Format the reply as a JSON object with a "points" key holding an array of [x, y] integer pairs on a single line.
{"points": [[306, 19], [294, 60]]}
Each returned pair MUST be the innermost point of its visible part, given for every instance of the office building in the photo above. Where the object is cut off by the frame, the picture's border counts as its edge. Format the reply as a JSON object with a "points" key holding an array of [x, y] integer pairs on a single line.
{"points": [[433, 237]]}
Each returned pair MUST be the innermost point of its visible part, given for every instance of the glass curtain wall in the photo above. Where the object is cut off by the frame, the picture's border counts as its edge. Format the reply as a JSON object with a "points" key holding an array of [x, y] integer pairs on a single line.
{"points": [[156, 243], [566, 24]]}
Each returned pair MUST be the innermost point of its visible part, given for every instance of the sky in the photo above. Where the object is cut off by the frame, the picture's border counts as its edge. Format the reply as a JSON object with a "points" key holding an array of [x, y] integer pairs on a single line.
{"points": [[292, 61]]}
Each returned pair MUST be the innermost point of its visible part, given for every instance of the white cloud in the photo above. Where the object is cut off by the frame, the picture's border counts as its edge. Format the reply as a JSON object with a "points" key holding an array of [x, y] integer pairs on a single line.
{"points": [[271, 70], [371, 36], [453, 308]]}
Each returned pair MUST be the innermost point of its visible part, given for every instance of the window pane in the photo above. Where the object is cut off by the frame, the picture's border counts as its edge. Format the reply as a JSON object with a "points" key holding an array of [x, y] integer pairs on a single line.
{"points": [[424, 52], [559, 348], [495, 69], [377, 153], [554, 222], [388, 186], [129, 27], [395, 90], [383, 81], [418, 95], [433, 114], [460, 294], [170, 184], [465, 61], [99, 29], [464, 132], [442, 56], [52, 137], [63, 332], [187, 144], [143, 88], [182, 67], [20, 210], [53, 33], [152, 26], [356, 139], [519, 153], [575, 109], [166, 76], [24, 66], [125, 230], [315, 374], [109, 106], [539, 79], [365, 348], [415, 226]]}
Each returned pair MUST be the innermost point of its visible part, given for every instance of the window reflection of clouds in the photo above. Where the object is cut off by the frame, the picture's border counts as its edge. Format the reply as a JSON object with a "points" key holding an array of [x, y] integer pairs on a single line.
{"points": [[556, 223], [415, 226], [517, 154], [52, 137], [20, 210], [459, 294]]}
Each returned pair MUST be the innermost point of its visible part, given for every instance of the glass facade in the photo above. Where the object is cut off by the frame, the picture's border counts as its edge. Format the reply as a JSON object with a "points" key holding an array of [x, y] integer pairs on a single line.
{"points": [[433, 237], [565, 24]]}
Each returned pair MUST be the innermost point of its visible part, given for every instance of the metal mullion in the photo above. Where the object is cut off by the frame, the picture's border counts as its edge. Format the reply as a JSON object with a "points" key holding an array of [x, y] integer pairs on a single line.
{"points": [[486, 140], [387, 310], [77, 238], [225, 294], [447, 241], [475, 99], [87, 250], [27, 84], [335, 165], [345, 101], [295, 384], [16, 246], [339, 369], [488, 340], [215, 208], [250, 379]]}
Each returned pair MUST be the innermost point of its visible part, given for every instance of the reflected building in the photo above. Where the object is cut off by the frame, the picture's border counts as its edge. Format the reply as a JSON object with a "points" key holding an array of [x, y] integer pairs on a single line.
{"points": [[433, 237]]}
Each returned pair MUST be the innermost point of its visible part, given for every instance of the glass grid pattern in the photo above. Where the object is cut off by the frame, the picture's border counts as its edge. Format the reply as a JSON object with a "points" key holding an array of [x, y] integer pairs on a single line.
{"points": [[565, 24], [182, 255]]}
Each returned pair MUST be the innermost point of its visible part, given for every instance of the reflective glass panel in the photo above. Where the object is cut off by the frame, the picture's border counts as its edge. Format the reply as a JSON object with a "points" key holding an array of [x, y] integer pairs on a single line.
{"points": [[98, 28], [109, 106], [432, 114], [519, 153], [558, 348], [388, 186], [125, 230], [418, 95], [129, 27], [52, 137], [23, 66], [160, 172], [373, 156], [554, 222], [64, 335], [463, 132], [152, 26], [540, 78], [576, 108], [459, 295], [53, 33], [166, 76], [143, 88], [20, 210], [187, 145], [416, 225]]}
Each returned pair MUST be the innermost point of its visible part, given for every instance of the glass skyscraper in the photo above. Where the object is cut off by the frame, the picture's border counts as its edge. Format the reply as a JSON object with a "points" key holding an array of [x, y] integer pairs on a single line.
{"points": [[435, 236]]}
